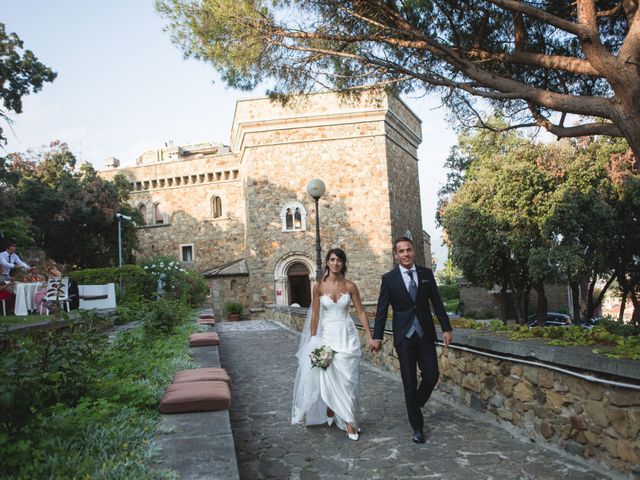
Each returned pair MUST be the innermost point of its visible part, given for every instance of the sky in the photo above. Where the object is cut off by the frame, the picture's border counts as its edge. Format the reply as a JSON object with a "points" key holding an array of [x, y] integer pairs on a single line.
{"points": [[123, 88]]}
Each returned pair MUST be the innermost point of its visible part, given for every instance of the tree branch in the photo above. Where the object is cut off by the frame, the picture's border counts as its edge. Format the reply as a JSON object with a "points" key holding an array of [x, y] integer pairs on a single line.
{"points": [[553, 20], [587, 129]]}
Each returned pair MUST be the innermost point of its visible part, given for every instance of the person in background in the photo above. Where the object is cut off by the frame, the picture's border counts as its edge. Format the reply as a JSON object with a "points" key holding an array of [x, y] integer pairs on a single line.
{"points": [[6, 294], [52, 272], [9, 261]]}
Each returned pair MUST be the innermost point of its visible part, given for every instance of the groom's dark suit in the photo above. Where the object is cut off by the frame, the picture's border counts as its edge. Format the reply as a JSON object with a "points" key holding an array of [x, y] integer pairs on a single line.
{"points": [[415, 350]]}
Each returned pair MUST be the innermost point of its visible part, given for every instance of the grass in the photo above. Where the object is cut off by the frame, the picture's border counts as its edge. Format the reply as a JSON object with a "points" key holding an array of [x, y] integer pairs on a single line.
{"points": [[17, 320]]}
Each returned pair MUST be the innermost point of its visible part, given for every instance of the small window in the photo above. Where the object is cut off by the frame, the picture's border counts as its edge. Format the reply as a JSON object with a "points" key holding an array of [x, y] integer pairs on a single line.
{"points": [[158, 218], [294, 217], [216, 207], [143, 212], [186, 253]]}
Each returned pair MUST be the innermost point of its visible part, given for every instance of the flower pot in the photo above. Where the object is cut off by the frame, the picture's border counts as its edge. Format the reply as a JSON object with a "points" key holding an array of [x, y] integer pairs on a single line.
{"points": [[233, 317]]}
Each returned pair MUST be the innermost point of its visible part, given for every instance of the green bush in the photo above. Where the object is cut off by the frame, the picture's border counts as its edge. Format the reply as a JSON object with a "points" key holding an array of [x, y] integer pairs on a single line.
{"points": [[73, 405], [449, 292], [163, 316], [180, 284], [135, 281], [233, 307]]}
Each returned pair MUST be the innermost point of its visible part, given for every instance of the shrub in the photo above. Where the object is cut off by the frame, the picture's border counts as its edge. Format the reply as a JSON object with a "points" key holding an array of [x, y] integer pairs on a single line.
{"points": [[179, 284], [134, 279], [163, 316], [233, 307], [449, 292], [73, 405]]}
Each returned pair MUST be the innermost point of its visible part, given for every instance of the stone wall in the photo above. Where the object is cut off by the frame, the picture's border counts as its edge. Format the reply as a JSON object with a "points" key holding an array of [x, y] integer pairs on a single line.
{"points": [[365, 150], [478, 301], [229, 289], [585, 418]]}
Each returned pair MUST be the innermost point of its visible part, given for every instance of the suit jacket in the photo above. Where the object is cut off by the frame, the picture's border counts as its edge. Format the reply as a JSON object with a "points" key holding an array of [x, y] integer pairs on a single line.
{"points": [[394, 292]]}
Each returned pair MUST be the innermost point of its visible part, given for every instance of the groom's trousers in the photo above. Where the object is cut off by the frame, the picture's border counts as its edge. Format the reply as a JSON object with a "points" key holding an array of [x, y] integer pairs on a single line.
{"points": [[417, 352]]}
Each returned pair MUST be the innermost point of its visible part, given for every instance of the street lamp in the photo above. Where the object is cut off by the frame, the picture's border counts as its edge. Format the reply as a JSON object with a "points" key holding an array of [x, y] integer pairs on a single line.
{"points": [[316, 189], [120, 217]]}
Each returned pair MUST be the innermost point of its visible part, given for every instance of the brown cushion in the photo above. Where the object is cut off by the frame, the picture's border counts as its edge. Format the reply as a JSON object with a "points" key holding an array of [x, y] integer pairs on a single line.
{"points": [[201, 375], [195, 397], [210, 321], [203, 339], [206, 316]]}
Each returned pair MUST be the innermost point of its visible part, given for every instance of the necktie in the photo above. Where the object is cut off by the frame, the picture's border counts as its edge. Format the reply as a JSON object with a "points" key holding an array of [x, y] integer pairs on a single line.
{"points": [[413, 288]]}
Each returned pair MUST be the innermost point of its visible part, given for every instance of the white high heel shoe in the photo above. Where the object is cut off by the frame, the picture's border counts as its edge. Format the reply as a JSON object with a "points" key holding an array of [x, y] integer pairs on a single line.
{"points": [[330, 420], [353, 436]]}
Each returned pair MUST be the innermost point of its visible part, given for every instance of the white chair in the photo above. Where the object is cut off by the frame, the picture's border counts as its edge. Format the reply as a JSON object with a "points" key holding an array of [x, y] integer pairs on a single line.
{"points": [[97, 296], [4, 308], [58, 292]]}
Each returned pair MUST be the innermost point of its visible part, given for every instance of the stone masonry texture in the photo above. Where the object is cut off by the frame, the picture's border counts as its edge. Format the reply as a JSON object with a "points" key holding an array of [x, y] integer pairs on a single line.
{"points": [[363, 148]]}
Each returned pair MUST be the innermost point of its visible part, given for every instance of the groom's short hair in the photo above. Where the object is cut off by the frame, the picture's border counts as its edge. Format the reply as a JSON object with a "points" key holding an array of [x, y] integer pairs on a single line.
{"points": [[402, 239]]}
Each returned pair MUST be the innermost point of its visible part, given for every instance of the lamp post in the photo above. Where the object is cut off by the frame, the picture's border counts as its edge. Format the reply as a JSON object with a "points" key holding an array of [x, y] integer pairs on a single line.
{"points": [[120, 217], [316, 189]]}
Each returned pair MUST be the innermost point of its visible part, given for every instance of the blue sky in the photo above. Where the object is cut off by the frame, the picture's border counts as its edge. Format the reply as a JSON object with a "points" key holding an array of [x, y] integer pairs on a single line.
{"points": [[123, 88]]}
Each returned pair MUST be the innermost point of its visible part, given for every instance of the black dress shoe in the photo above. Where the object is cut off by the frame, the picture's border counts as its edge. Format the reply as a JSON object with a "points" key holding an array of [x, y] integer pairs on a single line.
{"points": [[418, 437]]}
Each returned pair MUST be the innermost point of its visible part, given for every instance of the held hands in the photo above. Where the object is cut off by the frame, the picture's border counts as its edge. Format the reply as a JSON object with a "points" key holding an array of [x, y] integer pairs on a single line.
{"points": [[447, 337], [375, 345]]}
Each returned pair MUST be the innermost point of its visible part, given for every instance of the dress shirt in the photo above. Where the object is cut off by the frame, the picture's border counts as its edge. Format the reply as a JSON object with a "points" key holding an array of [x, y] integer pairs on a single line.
{"points": [[405, 277], [9, 261], [415, 324]]}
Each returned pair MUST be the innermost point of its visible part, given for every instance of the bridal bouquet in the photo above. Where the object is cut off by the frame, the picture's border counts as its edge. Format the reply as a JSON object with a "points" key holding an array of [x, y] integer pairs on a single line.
{"points": [[321, 356]]}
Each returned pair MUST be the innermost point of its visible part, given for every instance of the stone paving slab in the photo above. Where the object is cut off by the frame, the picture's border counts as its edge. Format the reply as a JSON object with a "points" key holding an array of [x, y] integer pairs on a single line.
{"points": [[259, 357]]}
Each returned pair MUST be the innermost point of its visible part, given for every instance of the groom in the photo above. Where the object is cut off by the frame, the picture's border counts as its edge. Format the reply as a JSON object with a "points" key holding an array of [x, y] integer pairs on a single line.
{"points": [[408, 288]]}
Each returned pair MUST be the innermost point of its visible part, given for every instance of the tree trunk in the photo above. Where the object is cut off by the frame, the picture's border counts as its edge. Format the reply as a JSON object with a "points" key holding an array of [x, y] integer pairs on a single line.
{"points": [[635, 317], [575, 300], [626, 115], [541, 307], [623, 303], [593, 304], [504, 304]]}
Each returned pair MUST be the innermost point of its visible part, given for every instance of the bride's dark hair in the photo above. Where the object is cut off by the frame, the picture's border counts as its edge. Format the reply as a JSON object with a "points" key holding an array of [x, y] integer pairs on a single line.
{"points": [[338, 253]]}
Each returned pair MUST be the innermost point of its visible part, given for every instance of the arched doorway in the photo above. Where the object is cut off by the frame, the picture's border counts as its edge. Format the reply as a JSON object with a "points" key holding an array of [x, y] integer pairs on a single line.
{"points": [[289, 283], [298, 284]]}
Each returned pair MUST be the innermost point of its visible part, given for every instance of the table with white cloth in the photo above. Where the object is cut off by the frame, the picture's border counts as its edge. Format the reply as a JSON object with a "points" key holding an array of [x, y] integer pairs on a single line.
{"points": [[26, 297]]}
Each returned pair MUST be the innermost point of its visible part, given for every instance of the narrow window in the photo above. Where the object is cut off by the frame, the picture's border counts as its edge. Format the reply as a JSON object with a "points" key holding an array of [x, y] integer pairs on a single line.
{"points": [[289, 219], [297, 219], [143, 212], [157, 214], [216, 207]]}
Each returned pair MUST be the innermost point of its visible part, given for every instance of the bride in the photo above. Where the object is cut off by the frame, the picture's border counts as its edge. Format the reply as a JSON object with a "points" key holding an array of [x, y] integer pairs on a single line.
{"points": [[325, 395]]}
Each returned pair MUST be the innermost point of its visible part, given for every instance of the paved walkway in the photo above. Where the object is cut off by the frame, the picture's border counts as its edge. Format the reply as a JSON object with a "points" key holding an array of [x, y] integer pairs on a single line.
{"points": [[259, 356]]}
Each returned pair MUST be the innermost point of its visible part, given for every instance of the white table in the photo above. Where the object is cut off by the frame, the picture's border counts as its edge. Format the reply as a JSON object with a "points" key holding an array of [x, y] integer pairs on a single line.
{"points": [[26, 297]]}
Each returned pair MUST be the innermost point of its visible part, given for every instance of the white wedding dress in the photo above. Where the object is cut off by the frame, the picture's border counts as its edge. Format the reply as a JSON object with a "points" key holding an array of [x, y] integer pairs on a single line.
{"points": [[336, 386]]}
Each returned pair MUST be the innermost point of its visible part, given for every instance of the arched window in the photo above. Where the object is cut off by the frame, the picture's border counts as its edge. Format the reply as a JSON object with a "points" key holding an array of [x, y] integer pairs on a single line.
{"points": [[158, 218], [143, 212], [293, 216], [216, 207]]}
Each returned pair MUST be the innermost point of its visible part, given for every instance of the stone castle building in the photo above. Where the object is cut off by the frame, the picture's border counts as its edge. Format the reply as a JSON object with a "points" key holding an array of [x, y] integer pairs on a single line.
{"points": [[241, 215]]}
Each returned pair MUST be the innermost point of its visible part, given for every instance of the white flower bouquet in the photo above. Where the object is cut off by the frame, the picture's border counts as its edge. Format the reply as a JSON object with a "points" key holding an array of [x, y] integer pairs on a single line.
{"points": [[321, 356]]}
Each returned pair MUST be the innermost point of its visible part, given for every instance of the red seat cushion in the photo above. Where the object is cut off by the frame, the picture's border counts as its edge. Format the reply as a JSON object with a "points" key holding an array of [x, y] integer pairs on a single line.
{"points": [[204, 339], [195, 397], [201, 375]]}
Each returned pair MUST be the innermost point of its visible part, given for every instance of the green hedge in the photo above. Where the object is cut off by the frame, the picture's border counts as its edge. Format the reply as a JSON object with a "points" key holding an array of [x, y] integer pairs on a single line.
{"points": [[449, 292], [134, 278]]}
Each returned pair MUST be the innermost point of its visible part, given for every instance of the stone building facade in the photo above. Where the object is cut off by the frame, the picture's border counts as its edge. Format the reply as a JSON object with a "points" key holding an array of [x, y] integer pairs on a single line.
{"points": [[241, 212]]}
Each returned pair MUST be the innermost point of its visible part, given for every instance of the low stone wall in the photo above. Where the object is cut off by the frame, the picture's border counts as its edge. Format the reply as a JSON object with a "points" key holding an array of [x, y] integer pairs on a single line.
{"points": [[594, 420]]}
